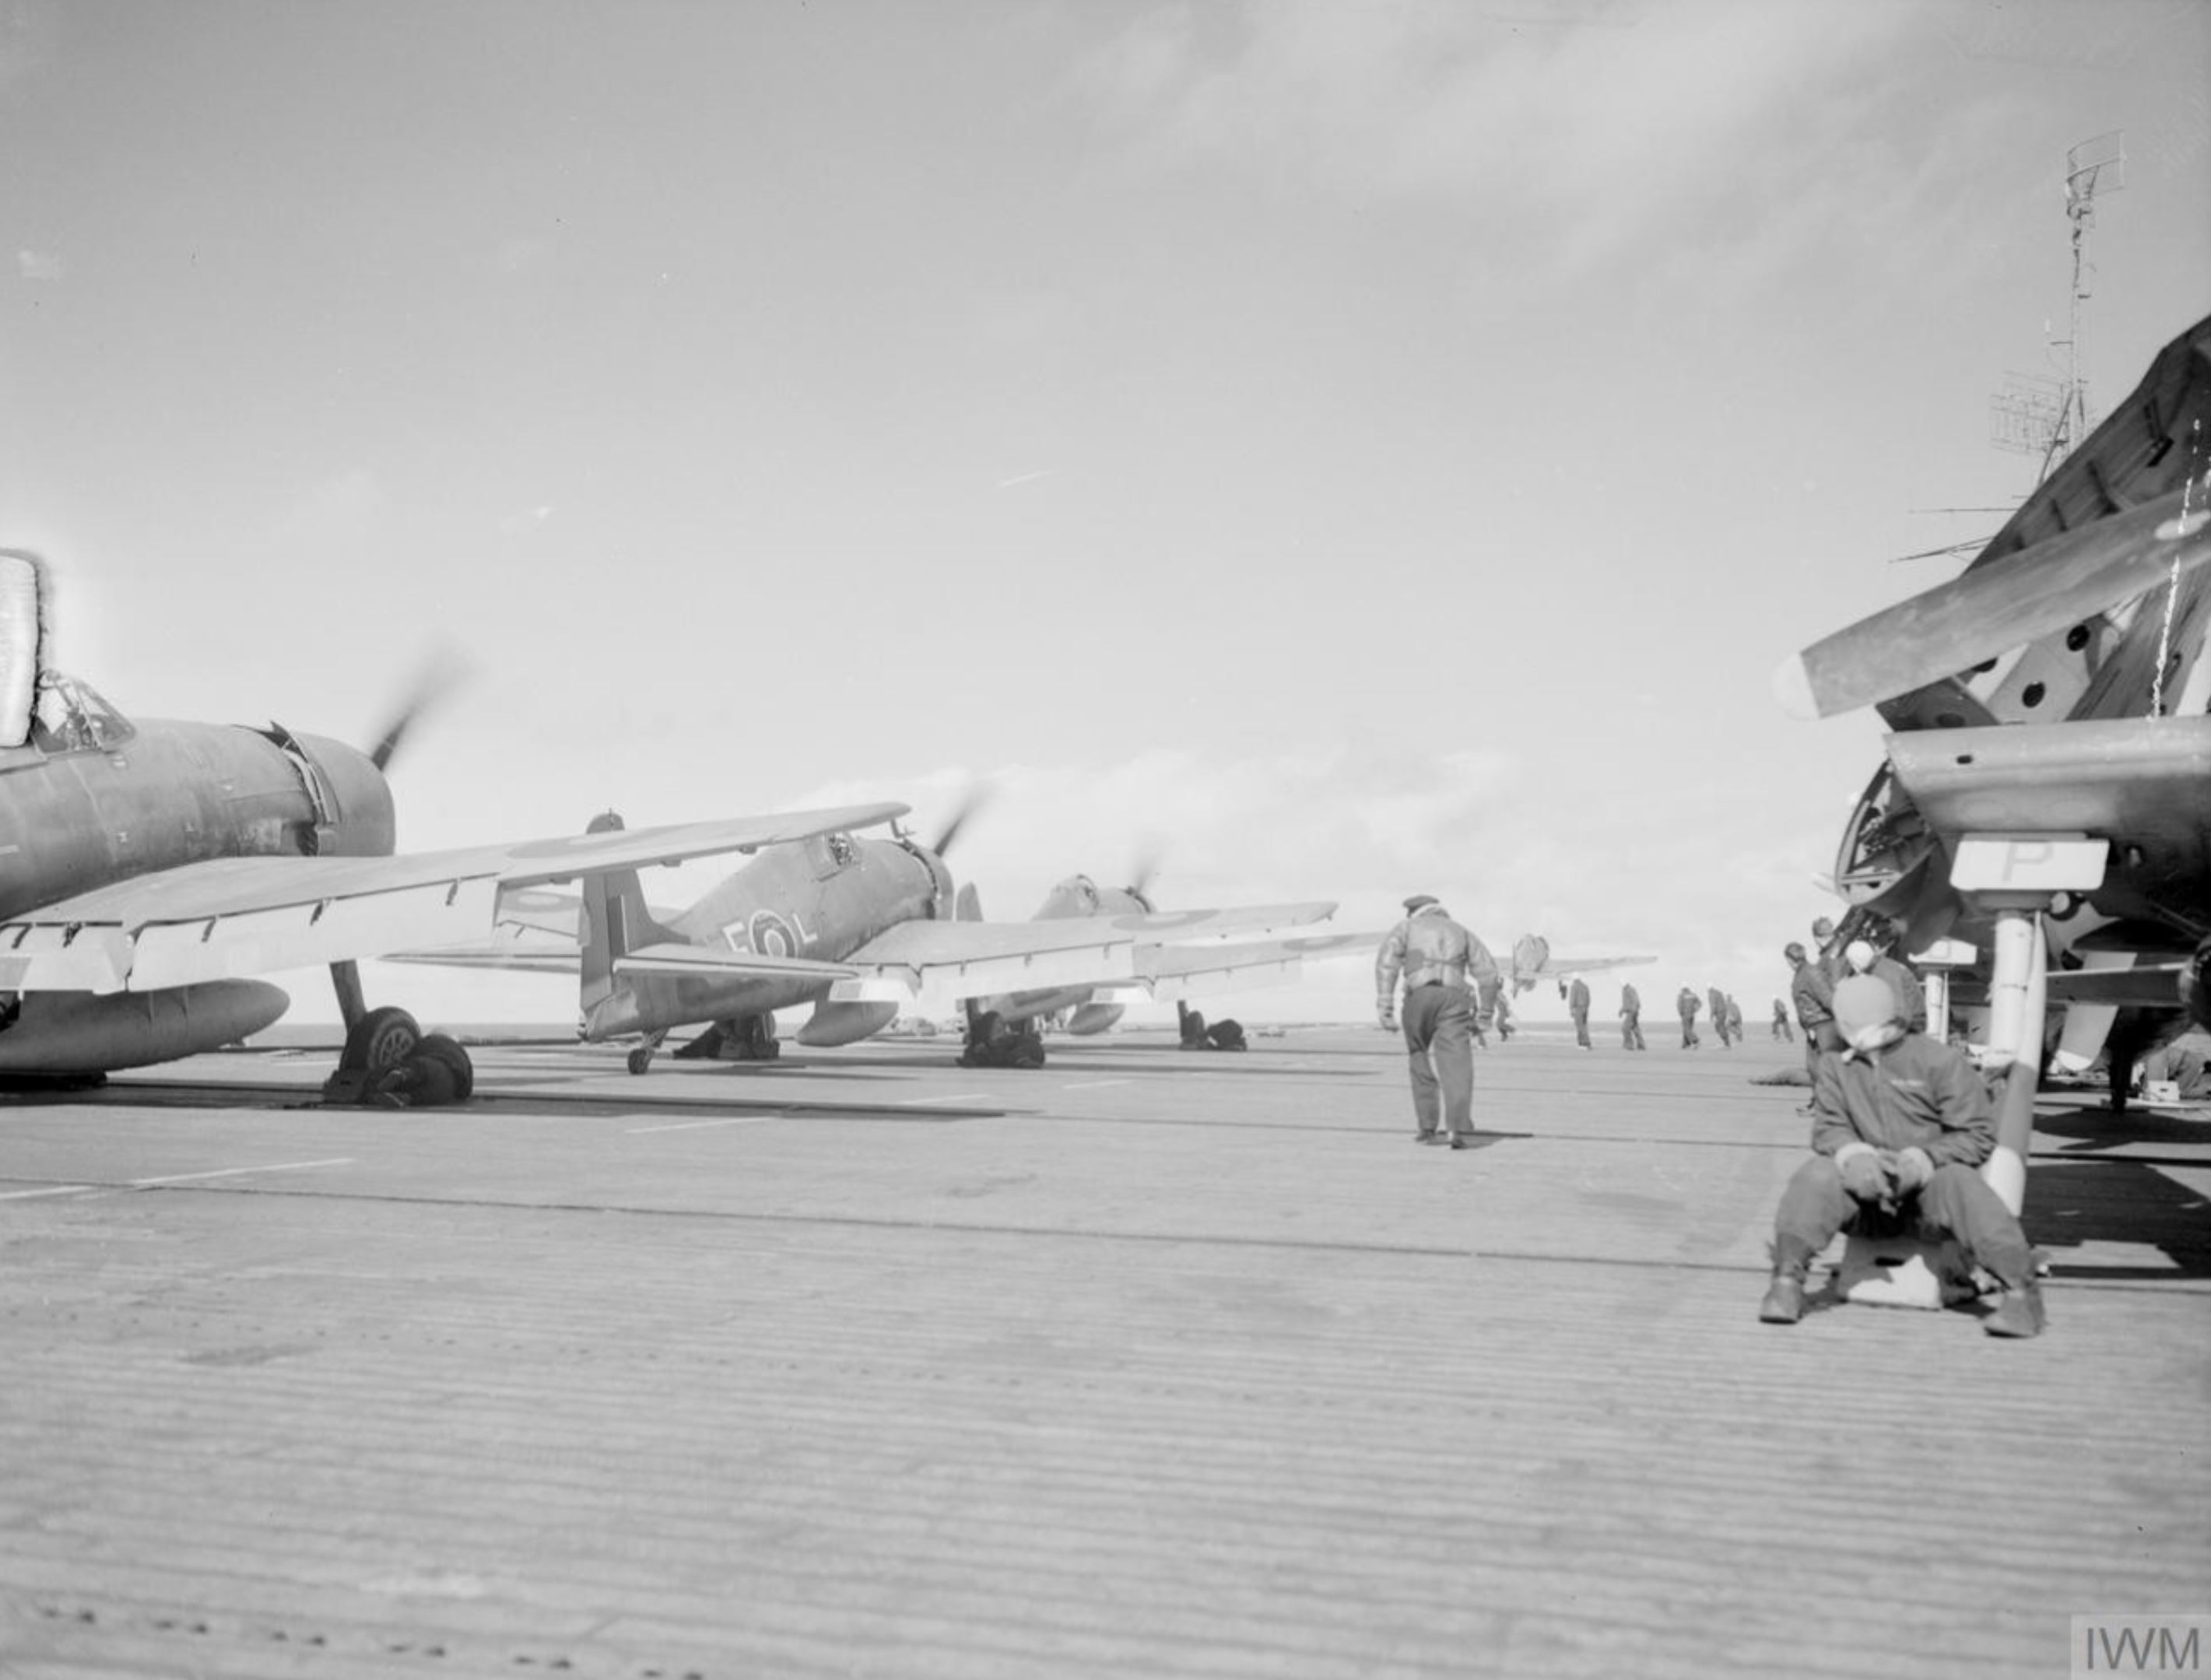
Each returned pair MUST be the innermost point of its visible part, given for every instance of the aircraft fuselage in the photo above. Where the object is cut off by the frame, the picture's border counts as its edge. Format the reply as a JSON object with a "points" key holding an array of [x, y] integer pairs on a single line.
{"points": [[822, 900], [94, 799], [159, 793]]}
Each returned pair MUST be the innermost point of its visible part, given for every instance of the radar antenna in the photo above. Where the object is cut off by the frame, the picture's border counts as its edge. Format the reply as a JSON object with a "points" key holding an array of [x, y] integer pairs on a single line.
{"points": [[2036, 413]]}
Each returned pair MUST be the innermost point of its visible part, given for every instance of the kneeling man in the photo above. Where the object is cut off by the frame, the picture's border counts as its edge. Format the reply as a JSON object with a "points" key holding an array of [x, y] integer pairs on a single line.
{"points": [[1900, 1125]]}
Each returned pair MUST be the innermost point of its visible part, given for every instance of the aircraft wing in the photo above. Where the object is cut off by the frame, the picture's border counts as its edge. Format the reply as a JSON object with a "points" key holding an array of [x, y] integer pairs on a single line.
{"points": [[1532, 962], [245, 915], [1239, 921], [1166, 972], [953, 960]]}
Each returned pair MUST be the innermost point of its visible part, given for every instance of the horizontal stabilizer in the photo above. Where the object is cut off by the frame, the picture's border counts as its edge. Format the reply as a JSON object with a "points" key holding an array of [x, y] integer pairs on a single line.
{"points": [[677, 958]]}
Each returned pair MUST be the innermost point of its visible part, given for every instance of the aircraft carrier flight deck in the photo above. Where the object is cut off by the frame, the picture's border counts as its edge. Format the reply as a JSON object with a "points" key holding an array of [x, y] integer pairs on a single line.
{"points": [[1148, 1362]]}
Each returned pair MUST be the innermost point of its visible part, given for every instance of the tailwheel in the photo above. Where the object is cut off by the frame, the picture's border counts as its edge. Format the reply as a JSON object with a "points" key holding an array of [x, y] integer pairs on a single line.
{"points": [[640, 1059]]}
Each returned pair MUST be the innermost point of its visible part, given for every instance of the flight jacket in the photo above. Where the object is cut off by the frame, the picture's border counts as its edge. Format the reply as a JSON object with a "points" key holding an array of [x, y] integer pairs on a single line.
{"points": [[1428, 945], [1916, 1094]]}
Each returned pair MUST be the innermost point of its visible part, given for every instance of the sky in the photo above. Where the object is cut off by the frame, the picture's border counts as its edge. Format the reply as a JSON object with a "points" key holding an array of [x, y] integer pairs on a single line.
{"points": [[1332, 449]]}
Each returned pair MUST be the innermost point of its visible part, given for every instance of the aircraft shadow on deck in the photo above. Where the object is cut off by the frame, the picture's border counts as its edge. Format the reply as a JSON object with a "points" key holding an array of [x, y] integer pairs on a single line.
{"points": [[2069, 1204]]}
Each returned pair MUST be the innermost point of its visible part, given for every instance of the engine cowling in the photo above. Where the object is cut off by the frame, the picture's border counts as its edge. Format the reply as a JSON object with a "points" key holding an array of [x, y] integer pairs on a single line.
{"points": [[84, 1032]]}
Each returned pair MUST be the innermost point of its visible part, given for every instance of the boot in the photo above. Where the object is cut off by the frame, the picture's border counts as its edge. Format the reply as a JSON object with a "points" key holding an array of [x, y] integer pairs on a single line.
{"points": [[1785, 1299], [1784, 1296], [2019, 1314]]}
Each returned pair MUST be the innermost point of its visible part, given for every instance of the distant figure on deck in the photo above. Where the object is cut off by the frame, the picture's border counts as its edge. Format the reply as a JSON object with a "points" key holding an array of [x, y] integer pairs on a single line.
{"points": [[1735, 1017], [1900, 1125], [1503, 1016], [1716, 1000], [1631, 1017], [1577, 1005], [1448, 975], [1684, 1002], [1782, 1029]]}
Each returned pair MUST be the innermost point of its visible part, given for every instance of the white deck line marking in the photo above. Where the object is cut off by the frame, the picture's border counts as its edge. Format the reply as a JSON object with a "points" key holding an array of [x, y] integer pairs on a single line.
{"points": [[233, 1172], [956, 1096], [51, 1190], [695, 1125], [1093, 1084]]}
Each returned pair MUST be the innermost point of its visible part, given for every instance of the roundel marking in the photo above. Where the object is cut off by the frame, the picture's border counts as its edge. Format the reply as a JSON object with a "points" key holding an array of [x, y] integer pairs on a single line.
{"points": [[771, 935]]}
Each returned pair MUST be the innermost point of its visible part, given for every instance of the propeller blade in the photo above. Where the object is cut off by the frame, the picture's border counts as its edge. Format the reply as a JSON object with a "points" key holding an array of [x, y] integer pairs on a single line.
{"points": [[440, 676], [1992, 607], [1147, 870], [977, 798]]}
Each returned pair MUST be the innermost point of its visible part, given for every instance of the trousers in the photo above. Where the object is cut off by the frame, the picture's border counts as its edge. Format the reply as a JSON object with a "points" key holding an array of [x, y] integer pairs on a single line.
{"points": [[1955, 1202], [1440, 1053]]}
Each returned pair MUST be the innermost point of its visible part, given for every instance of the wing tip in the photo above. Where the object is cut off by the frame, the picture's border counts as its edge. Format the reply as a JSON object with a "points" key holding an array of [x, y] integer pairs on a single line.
{"points": [[1793, 689]]}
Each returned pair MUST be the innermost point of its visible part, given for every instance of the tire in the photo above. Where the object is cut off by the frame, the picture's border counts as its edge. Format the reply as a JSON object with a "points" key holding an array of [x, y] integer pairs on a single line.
{"points": [[438, 1046], [380, 1041], [640, 1059]]}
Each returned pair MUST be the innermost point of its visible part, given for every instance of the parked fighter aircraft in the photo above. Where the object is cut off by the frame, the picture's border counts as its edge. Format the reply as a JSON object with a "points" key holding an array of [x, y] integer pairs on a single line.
{"points": [[2050, 771], [148, 867], [1533, 964], [858, 927], [1002, 1031]]}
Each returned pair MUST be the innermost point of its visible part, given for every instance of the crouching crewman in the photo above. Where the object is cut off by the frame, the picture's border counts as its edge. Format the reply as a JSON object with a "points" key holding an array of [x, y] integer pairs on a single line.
{"points": [[1901, 1126]]}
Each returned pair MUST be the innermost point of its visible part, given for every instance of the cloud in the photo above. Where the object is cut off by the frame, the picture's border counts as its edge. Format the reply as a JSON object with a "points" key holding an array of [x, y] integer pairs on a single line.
{"points": [[338, 510], [1565, 133], [524, 522], [41, 265]]}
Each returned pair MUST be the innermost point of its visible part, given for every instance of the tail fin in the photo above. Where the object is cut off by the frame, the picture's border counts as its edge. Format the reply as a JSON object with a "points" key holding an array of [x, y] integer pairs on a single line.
{"points": [[615, 923], [1529, 953]]}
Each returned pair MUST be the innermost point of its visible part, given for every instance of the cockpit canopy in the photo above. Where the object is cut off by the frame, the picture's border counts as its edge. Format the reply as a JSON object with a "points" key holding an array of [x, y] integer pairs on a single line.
{"points": [[73, 716]]}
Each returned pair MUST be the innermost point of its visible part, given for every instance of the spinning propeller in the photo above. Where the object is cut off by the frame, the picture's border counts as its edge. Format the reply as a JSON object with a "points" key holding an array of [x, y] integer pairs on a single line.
{"points": [[439, 675], [976, 798]]}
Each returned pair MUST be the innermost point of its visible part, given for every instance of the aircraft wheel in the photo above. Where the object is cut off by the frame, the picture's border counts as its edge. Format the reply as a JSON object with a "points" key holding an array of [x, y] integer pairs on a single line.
{"points": [[438, 1046], [640, 1059], [382, 1039]]}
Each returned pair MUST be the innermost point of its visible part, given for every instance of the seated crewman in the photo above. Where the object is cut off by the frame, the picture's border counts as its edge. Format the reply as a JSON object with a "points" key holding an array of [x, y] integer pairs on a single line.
{"points": [[1901, 1126]]}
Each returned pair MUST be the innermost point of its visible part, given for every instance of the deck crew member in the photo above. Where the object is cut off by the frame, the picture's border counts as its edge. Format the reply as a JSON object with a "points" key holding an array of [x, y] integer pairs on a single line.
{"points": [[1448, 974], [1860, 957], [1716, 1000], [1814, 996], [1782, 1029], [1900, 1125], [1577, 1005], [1684, 1002], [1631, 1017]]}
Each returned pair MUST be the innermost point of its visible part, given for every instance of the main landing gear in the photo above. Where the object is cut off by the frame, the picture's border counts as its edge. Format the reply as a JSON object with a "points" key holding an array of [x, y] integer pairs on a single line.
{"points": [[390, 1062], [740, 1038], [992, 1044]]}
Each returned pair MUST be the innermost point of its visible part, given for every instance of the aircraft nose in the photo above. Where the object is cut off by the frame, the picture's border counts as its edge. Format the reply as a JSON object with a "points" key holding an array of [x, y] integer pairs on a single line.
{"points": [[362, 824]]}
